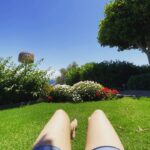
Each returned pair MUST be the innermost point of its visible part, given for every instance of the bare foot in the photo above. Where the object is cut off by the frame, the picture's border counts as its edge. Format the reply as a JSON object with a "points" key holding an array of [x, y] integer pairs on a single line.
{"points": [[73, 125]]}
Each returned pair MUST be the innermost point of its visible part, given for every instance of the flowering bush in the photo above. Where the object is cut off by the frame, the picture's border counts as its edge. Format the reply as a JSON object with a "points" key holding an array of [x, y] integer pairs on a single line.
{"points": [[61, 93], [105, 93], [49, 98], [76, 97], [21, 83], [47, 89], [85, 91], [82, 91]]}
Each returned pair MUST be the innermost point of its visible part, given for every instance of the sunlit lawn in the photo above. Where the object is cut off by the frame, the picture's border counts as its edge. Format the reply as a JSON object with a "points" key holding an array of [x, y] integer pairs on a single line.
{"points": [[19, 127]]}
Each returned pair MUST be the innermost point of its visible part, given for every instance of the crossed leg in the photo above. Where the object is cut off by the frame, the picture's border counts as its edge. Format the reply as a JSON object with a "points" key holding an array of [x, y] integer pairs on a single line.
{"points": [[56, 132], [101, 133]]}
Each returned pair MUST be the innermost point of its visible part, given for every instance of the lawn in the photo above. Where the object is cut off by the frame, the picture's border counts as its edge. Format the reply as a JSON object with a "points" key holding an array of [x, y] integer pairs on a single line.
{"points": [[19, 127]]}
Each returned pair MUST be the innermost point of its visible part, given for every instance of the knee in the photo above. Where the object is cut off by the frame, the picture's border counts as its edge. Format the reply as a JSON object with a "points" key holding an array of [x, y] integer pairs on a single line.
{"points": [[97, 113], [62, 113]]}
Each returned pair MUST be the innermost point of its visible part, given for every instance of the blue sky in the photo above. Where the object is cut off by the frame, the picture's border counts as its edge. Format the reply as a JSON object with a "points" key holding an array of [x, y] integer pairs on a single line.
{"points": [[60, 31]]}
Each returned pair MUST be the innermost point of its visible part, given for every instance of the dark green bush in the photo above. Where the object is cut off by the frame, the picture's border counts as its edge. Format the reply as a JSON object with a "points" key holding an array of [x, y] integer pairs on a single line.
{"points": [[69, 75], [110, 74], [113, 74], [72, 76], [139, 82], [20, 83]]}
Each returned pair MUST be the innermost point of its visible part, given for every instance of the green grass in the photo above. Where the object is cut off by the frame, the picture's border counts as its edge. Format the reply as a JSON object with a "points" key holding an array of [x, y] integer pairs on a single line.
{"points": [[19, 127]]}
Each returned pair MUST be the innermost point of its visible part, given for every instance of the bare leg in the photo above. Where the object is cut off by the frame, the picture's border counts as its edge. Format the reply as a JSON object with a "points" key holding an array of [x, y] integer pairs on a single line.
{"points": [[101, 133], [56, 132]]}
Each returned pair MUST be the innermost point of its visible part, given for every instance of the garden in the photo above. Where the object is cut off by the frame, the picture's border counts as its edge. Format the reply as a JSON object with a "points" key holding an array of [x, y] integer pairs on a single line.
{"points": [[27, 101], [58, 31]]}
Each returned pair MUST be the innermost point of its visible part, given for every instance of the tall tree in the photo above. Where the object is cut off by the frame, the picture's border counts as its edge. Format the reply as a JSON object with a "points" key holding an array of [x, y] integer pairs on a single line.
{"points": [[64, 71], [126, 25]]}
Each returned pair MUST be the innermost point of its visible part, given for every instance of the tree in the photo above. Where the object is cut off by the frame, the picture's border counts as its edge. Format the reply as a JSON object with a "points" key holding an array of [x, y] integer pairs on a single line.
{"points": [[72, 76], [72, 65], [62, 79], [126, 25]]}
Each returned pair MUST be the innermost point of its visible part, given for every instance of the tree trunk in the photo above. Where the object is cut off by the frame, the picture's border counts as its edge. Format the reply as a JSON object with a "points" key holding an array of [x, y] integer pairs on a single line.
{"points": [[148, 56], [148, 50]]}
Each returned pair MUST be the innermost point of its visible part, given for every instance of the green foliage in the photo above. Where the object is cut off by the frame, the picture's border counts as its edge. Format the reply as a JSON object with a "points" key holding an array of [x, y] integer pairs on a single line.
{"points": [[72, 76], [139, 82], [126, 25], [79, 92], [110, 74], [61, 93], [113, 74], [61, 79], [66, 74], [20, 83], [47, 89], [87, 72], [85, 91]]}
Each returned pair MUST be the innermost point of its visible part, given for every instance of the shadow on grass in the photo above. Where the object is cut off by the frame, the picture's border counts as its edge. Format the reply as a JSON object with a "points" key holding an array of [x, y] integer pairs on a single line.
{"points": [[21, 104]]}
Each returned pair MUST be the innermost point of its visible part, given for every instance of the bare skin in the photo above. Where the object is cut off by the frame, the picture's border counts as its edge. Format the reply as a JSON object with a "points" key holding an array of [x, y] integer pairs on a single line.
{"points": [[101, 133], [59, 131], [56, 132], [74, 125]]}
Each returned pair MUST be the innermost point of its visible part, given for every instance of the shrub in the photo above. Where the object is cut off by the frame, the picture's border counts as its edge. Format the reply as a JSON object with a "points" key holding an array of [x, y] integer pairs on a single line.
{"points": [[61, 93], [76, 97], [139, 82], [113, 74], [72, 76], [20, 83], [66, 76], [47, 89], [81, 91], [106, 93], [85, 91]]}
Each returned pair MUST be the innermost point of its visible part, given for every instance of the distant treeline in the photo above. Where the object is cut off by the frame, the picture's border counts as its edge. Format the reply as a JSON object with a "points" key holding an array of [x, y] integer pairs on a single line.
{"points": [[114, 74]]}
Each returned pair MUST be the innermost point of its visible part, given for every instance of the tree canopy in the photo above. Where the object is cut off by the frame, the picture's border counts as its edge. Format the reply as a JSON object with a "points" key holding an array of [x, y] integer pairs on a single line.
{"points": [[126, 25]]}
